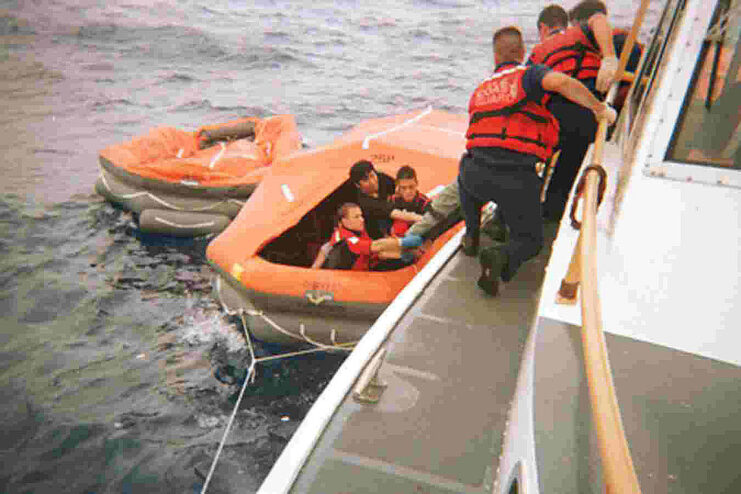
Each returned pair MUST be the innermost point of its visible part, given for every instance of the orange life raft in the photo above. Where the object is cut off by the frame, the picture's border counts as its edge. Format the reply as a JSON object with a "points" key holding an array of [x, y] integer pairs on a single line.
{"points": [[263, 258], [194, 183]]}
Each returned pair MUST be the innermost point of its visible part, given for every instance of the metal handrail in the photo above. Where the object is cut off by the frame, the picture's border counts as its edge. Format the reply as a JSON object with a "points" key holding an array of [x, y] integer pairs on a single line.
{"points": [[617, 463]]}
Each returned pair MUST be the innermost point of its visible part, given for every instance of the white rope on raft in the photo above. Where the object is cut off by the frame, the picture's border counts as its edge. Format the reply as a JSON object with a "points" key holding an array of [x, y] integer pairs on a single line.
{"points": [[134, 195], [368, 139], [178, 225], [218, 156], [302, 336], [250, 378]]}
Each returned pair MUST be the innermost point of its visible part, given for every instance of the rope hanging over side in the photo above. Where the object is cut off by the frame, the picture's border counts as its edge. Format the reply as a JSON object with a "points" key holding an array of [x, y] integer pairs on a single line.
{"points": [[250, 376], [302, 336]]}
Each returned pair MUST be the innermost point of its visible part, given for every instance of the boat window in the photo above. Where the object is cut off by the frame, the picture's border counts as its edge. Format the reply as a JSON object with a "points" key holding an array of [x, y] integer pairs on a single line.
{"points": [[708, 127], [645, 77]]}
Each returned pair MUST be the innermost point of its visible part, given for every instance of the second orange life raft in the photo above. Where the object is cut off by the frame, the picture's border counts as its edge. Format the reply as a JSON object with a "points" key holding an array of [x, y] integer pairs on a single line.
{"points": [[194, 183]]}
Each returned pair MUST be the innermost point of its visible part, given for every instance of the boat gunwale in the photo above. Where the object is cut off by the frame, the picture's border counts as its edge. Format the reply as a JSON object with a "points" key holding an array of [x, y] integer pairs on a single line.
{"points": [[292, 459]]}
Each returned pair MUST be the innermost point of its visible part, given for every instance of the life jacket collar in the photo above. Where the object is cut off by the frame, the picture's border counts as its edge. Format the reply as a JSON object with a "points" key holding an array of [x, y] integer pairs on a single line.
{"points": [[504, 65]]}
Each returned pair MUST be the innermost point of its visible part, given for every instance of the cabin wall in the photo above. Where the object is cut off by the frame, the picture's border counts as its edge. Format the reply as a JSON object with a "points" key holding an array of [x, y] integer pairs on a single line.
{"points": [[669, 256], [671, 272]]}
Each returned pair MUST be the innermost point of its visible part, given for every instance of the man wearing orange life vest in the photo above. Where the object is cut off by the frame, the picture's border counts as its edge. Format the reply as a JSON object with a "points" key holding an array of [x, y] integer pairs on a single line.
{"points": [[350, 246], [510, 130], [581, 13], [584, 52]]}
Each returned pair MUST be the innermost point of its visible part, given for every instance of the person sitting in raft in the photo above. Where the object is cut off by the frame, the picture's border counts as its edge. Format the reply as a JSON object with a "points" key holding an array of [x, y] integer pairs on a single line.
{"points": [[407, 198], [350, 246], [442, 212], [374, 190]]}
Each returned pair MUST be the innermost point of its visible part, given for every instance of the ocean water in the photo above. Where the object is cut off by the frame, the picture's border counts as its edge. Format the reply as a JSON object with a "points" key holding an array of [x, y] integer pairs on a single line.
{"points": [[109, 338]]}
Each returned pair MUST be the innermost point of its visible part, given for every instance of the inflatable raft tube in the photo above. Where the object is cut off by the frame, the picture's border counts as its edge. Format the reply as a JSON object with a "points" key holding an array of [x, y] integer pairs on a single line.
{"points": [[181, 223], [138, 199], [285, 327]]}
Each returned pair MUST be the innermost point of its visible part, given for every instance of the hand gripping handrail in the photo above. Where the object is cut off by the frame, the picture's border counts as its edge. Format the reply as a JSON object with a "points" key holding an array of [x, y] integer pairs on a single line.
{"points": [[617, 465]]}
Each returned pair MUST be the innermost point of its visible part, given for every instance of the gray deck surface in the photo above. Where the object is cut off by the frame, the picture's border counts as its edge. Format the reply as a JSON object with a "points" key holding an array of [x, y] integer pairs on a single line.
{"points": [[451, 369], [680, 414]]}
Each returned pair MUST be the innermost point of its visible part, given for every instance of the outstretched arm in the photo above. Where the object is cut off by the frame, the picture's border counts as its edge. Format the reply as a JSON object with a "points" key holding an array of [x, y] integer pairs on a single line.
{"points": [[602, 30], [403, 215], [578, 93], [322, 255]]}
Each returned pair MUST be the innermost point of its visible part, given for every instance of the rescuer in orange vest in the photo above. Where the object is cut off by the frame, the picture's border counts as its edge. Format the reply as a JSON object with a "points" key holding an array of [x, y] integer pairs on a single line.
{"points": [[585, 52], [510, 130], [581, 14]]}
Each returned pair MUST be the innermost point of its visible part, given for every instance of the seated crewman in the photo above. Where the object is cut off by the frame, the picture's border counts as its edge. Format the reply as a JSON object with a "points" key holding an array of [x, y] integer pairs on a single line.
{"points": [[442, 212], [407, 198]]}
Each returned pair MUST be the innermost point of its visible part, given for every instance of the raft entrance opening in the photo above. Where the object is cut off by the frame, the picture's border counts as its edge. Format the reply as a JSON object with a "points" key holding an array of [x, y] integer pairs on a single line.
{"points": [[299, 245]]}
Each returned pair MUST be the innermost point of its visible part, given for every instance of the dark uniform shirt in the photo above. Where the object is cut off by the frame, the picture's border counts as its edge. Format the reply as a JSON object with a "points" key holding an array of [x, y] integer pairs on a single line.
{"points": [[376, 210]]}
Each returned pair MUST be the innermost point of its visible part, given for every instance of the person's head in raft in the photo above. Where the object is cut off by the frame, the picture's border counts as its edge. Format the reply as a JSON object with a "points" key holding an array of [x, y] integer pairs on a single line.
{"points": [[351, 217], [363, 175], [586, 9], [406, 183]]}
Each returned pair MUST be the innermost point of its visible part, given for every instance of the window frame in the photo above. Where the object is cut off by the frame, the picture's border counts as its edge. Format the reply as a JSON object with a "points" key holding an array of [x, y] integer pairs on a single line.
{"points": [[708, 49], [655, 111]]}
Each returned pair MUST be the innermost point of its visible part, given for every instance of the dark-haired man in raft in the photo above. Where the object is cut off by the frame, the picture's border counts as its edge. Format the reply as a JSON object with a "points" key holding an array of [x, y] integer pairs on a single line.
{"points": [[374, 190], [511, 130], [585, 52]]}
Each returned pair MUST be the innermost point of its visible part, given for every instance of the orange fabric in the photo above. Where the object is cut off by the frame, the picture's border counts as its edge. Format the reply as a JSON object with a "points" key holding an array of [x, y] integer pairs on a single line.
{"points": [[502, 116], [173, 155], [568, 51], [431, 142]]}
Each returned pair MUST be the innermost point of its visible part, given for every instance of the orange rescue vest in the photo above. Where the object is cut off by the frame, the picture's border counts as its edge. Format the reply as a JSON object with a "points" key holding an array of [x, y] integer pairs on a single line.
{"points": [[569, 51], [500, 115], [359, 246]]}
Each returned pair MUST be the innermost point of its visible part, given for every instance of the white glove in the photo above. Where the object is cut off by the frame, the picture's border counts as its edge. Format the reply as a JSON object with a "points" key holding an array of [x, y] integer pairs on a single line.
{"points": [[606, 112], [606, 74]]}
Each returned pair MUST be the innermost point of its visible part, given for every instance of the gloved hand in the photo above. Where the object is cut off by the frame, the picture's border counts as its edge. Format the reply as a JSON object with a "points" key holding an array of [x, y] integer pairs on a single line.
{"points": [[606, 112], [606, 74]]}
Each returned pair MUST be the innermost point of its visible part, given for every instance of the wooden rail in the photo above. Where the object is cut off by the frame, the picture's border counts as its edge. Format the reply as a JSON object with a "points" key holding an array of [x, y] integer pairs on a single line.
{"points": [[617, 463]]}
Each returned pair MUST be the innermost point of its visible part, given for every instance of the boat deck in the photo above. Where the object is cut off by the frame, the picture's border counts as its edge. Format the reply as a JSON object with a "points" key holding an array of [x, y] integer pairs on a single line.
{"points": [[451, 366]]}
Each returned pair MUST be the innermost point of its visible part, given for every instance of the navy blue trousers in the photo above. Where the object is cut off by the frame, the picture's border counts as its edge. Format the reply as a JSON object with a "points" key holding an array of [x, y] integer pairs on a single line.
{"points": [[577, 131], [515, 188]]}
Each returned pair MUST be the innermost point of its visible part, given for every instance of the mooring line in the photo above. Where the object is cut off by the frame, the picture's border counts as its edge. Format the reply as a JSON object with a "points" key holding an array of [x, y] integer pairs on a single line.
{"points": [[234, 412], [250, 377]]}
